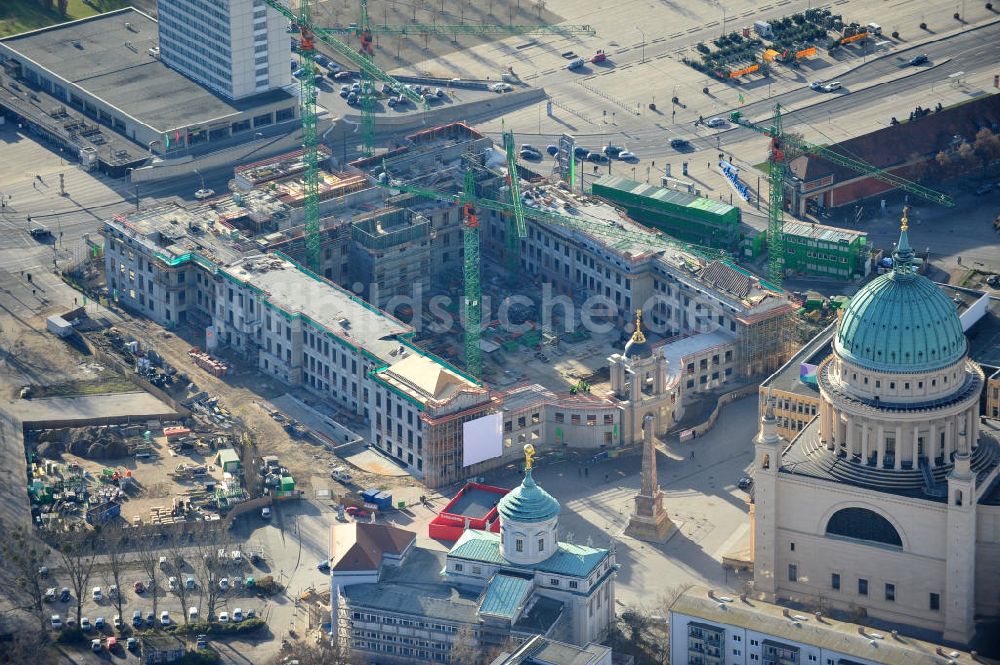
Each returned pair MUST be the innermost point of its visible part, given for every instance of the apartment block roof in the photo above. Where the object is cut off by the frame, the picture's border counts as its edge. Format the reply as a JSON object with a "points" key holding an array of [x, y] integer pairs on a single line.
{"points": [[844, 638]]}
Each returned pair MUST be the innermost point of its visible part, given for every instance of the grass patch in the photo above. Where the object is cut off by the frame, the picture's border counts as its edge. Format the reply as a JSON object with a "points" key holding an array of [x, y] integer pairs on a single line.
{"points": [[764, 167], [110, 384], [18, 16]]}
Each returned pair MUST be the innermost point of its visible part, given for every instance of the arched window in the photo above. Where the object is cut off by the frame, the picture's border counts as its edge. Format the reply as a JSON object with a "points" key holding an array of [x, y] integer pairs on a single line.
{"points": [[766, 462], [863, 524]]}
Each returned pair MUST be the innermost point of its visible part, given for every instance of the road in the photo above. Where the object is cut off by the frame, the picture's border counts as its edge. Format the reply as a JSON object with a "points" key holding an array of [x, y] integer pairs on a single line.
{"points": [[968, 51]]}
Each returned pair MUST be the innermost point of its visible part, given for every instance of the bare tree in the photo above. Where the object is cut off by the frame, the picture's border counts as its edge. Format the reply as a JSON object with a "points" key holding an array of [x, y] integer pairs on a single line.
{"points": [[321, 653], [78, 557], [465, 647], [148, 555], [21, 576], [176, 564], [209, 569], [114, 540]]}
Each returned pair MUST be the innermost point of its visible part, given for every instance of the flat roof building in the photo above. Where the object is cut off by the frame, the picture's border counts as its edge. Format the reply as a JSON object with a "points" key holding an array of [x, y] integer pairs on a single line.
{"points": [[237, 48], [715, 629], [106, 70], [826, 251]]}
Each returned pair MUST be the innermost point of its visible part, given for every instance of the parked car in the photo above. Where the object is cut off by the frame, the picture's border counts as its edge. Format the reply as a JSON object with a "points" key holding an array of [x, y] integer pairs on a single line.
{"points": [[85, 625], [816, 85], [131, 644], [745, 483], [237, 615], [113, 591], [224, 584], [299, 73], [528, 146], [56, 622], [321, 60], [112, 643], [919, 59], [172, 583], [356, 512], [984, 189], [597, 157], [265, 512], [40, 233], [530, 154], [580, 152], [223, 617], [343, 76], [612, 151], [139, 587], [628, 156], [501, 87], [192, 613], [237, 556], [715, 122], [150, 618], [137, 619], [95, 645], [117, 622], [96, 594], [43, 571], [189, 582], [164, 618], [64, 595], [50, 595], [832, 86], [323, 566], [100, 623], [576, 63], [552, 150], [203, 194]]}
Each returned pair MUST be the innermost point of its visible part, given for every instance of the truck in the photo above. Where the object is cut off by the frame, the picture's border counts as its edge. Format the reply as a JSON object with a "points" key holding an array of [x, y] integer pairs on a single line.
{"points": [[874, 29], [763, 28], [59, 326]]}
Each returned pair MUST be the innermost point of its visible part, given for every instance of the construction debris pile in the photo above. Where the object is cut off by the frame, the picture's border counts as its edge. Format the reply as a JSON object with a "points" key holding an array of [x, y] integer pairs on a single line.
{"points": [[278, 480], [145, 362]]}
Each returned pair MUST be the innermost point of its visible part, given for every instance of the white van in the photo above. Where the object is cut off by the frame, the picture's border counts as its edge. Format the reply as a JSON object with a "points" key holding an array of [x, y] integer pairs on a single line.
{"points": [[192, 613]]}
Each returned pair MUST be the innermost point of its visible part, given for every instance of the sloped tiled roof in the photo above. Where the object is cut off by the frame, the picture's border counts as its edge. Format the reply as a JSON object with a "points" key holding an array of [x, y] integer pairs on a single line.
{"points": [[358, 546], [723, 276]]}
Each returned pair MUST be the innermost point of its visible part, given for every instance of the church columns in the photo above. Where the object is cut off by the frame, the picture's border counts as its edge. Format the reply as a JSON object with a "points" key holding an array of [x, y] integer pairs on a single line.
{"points": [[897, 454], [949, 440], [881, 445], [865, 443], [916, 447], [850, 436], [932, 445]]}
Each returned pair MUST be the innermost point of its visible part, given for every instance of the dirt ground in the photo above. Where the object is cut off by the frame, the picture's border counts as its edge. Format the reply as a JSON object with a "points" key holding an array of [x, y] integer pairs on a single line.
{"points": [[245, 393]]}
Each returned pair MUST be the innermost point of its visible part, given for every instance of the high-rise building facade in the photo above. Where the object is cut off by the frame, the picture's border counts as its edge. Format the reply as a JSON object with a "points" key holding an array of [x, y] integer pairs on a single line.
{"points": [[236, 48]]}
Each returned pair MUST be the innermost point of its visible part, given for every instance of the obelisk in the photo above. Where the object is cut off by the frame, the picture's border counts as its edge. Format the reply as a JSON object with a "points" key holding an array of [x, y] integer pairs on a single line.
{"points": [[649, 521]]}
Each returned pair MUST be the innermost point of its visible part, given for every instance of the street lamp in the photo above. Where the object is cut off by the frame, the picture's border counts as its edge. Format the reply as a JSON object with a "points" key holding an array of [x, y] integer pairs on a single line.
{"points": [[723, 20], [198, 173], [643, 42]]}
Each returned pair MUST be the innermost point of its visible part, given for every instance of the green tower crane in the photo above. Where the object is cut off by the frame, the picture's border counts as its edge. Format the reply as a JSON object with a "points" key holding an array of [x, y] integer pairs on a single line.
{"points": [[307, 110], [515, 227], [366, 33], [776, 181]]}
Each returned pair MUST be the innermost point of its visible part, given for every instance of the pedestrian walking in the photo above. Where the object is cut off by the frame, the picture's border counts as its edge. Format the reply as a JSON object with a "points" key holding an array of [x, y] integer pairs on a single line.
{"points": [[605, 477], [586, 471], [692, 454]]}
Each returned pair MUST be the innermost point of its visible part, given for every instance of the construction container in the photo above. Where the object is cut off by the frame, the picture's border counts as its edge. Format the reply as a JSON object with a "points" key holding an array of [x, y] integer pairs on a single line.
{"points": [[287, 484], [383, 500], [59, 326], [682, 215], [369, 495]]}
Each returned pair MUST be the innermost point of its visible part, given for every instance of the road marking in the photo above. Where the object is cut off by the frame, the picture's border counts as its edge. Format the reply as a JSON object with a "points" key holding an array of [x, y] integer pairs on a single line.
{"points": [[660, 39], [665, 55], [727, 546], [676, 35], [621, 50], [712, 24]]}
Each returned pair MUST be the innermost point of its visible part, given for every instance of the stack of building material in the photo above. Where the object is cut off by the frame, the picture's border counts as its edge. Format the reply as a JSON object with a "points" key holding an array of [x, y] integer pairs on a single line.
{"points": [[208, 362]]}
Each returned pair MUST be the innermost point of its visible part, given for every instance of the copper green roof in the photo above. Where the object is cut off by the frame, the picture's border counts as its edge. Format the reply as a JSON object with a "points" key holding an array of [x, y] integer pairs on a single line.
{"points": [[568, 559], [901, 322], [505, 595], [528, 503]]}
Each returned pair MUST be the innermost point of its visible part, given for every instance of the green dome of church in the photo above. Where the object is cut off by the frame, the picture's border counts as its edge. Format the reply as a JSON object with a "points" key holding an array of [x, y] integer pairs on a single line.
{"points": [[901, 321], [528, 502]]}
